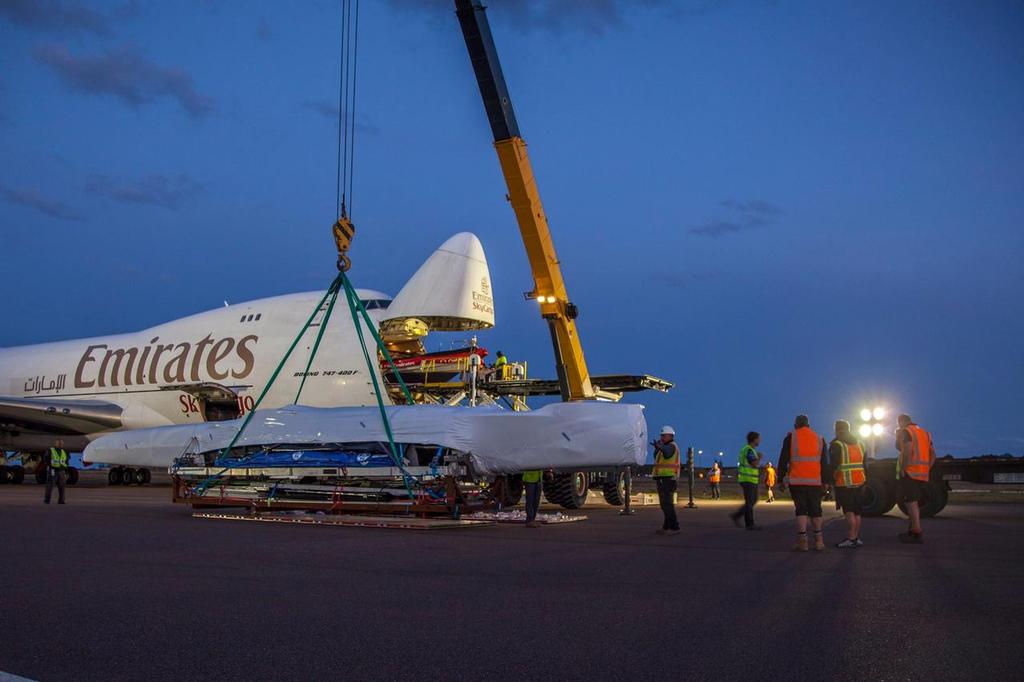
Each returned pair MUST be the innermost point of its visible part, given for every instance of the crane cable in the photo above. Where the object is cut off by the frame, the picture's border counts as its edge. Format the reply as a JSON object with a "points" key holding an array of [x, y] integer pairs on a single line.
{"points": [[349, 55]]}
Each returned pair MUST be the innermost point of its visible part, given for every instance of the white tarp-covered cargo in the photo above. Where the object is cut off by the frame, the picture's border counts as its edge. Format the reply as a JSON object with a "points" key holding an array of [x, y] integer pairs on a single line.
{"points": [[561, 435]]}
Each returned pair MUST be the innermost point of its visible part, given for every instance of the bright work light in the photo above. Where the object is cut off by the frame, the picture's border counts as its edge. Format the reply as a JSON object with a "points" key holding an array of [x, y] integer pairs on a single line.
{"points": [[865, 430], [878, 413], [876, 429], [865, 415]]}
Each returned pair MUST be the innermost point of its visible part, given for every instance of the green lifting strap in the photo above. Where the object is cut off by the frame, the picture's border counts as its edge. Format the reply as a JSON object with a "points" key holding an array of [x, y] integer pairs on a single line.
{"points": [[357, 309], [356, 306]]}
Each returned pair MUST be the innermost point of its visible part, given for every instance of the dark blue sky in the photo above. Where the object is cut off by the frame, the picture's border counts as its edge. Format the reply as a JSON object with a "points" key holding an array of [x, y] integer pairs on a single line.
{"points": [[783, 207]]}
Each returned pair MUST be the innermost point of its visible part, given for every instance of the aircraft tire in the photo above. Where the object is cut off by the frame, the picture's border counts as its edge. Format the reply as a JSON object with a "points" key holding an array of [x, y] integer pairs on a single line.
{"points": [[614, 489], [16, 474], [115, 476], [878, 497], [147, 476], [139, 476], [72, 475]]}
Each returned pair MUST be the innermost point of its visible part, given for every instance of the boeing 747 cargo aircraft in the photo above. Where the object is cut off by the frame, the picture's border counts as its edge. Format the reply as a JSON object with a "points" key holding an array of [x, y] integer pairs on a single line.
{"points": [[213, 365]]}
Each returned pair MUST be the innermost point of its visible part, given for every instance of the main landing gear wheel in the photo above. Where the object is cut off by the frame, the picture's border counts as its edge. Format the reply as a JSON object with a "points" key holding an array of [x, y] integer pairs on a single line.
{"points": [[877, 497], [933, 500], [567, 490], [139, 476], [115, 476], [614, 489]]}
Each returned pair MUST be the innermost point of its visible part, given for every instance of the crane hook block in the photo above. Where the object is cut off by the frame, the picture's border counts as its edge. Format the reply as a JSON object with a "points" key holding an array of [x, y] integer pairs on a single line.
{"points": [[343, 231]]}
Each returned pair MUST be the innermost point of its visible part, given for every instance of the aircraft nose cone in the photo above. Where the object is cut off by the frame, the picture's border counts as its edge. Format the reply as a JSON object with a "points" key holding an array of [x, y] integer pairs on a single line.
{"points": [[465, 244]]}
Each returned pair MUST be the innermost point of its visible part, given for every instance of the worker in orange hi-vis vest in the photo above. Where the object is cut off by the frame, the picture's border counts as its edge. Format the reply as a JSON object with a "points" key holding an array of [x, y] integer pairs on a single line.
{"points": [[715, 480], [913, 469], [846, 467], [801, 458], [769, 481]]}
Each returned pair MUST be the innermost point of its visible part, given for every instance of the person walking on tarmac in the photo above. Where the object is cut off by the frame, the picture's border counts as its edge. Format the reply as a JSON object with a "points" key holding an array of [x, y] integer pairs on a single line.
{"points": [[715, 479], [531, 482], [56, 462], [665, 474], [769, 481], [913, 469], [803, 452], [846, 471], [749, 476]]}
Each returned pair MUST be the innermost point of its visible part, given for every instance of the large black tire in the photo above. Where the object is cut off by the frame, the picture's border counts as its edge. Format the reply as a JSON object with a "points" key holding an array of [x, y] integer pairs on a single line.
{"points": [[16, 474], [140, 476], [877, 497], [614, 489], [934, 499], [147, 476], [567, 490], [72, 476], [508, 490], [115, 476]]}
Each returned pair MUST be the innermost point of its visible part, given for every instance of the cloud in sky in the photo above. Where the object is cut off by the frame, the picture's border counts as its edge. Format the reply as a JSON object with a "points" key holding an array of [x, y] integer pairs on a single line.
{"points": [[746, 215], [595, 17], [34, 199], [54, 15], [126, 74], [329, 110], [156, 190]]}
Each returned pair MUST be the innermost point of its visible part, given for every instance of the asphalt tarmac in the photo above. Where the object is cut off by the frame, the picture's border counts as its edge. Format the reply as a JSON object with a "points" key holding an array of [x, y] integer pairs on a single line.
{"points": [[121, 584]]}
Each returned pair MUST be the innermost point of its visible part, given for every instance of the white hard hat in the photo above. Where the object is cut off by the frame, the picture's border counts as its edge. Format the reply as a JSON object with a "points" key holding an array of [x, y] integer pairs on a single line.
{"points": [[668, 430]]}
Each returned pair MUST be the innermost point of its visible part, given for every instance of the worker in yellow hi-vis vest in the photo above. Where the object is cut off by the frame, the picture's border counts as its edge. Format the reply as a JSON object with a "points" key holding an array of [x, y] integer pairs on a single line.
{"points": [[665, 474], [56, 461], [531, 482]]}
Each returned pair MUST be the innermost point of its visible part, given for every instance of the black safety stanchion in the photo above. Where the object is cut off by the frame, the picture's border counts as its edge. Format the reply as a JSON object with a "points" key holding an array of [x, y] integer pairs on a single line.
{"points": [[627, 509], [689, 468]]}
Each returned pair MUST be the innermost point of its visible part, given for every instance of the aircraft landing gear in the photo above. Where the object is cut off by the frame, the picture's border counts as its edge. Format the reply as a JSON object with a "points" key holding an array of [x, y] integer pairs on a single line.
{"points": [[128, 476]]}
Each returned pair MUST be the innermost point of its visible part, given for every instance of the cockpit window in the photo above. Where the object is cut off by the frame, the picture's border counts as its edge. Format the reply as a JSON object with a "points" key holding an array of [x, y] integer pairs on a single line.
{"points": [[376, 303]]}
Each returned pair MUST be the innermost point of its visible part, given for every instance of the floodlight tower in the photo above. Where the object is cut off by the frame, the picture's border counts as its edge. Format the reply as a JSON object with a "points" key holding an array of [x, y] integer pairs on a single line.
{"points": [[872, 426]]}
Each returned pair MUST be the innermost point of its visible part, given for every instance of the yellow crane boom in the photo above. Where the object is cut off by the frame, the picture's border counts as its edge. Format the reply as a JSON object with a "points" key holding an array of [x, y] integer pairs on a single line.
{"points": [[548, 284]]}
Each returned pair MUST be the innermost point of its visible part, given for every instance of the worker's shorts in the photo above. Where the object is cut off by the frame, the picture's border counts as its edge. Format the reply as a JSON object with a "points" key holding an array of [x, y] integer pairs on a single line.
{"points": [[911, 489], [850, 498], [807, 499]]}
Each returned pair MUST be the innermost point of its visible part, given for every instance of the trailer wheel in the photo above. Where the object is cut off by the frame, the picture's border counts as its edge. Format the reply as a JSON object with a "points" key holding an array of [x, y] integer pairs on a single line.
{"points": [[508, 490], [934, 499], [568, 490], [614, 489], [16, 474], [877, 497]]}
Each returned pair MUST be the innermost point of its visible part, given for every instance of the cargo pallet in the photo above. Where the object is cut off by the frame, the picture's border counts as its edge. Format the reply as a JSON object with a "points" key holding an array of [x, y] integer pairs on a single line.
{"points": [[437, 491]]}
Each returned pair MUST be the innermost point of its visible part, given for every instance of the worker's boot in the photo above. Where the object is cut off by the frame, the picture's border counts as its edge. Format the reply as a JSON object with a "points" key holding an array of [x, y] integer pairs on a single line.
{"points": [[801, 543], [819, 542]]}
